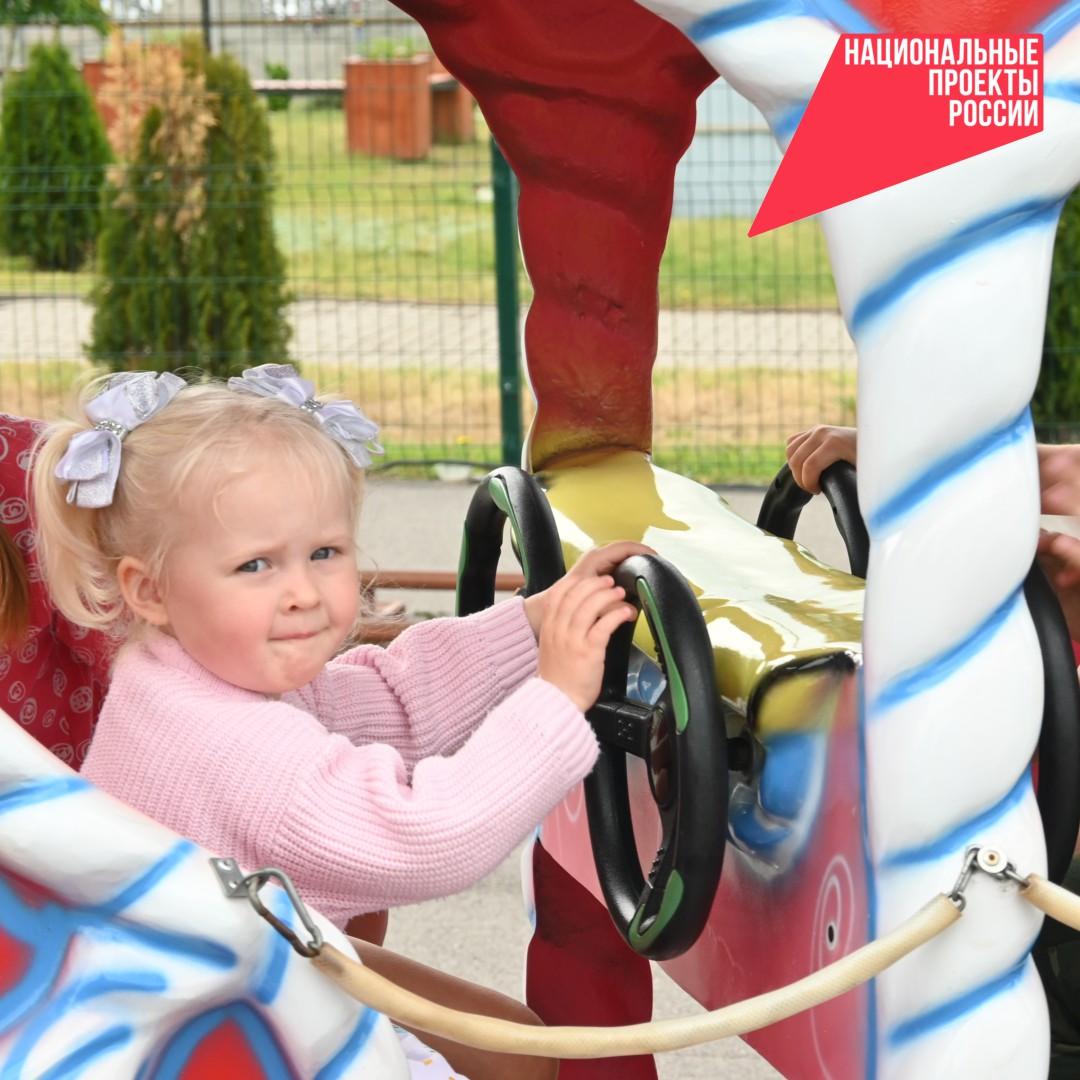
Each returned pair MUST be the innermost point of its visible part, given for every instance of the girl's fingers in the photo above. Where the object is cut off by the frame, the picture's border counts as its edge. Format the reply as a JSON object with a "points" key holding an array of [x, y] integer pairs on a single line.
{"points": [[795, 441], [591, 608], [603, 560], [600, 632], [573, 597]]}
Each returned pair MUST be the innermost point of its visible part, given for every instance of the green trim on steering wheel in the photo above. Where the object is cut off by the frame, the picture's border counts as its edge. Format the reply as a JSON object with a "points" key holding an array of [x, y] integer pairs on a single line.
{"points": [[674, 678]]}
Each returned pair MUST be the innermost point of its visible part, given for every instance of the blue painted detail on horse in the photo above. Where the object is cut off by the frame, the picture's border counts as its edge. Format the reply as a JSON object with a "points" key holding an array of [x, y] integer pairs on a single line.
{"points": [[837, 13], [938, 668], [1057, 24], [44, 933], [842, 15], [75, 1062], [871, 882], [268, 980], [260, 1039], [1064, 91], [111, 982], [963, 833], [352, 1048], [146, 881], [785, 123], [186, 945], [945, 469], [746, 14], [788, 775], [961, 1005], [1037, 213], [38, 791], [752, 832]]}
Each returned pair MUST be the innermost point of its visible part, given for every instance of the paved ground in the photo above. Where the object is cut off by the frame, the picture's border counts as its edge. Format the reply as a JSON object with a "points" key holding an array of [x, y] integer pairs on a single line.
{"points": [[481, 934], [444, 335]]}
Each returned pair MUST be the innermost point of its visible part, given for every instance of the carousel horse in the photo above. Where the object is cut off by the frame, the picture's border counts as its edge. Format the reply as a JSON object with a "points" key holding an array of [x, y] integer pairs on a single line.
{"points": [[846, 767], [120, 955], [917, 729]]}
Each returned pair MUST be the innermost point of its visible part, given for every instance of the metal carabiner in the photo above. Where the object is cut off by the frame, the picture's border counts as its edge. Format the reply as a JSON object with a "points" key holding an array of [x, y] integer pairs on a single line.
{"points": [[237, 884]]}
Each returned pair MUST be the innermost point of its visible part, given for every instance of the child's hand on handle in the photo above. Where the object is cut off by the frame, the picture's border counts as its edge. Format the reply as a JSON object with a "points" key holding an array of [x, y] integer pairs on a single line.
{"points": [[575, 618], [811, 452], [1059, 479], [1059, 555]]}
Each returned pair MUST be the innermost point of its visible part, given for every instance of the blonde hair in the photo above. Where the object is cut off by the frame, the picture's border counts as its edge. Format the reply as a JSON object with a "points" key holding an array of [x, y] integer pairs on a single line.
{"points": [[184, 454]]}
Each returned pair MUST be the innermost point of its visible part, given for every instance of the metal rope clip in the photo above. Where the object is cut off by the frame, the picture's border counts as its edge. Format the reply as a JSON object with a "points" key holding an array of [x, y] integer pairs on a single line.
{"points": [[237, 884], [990, 861]]}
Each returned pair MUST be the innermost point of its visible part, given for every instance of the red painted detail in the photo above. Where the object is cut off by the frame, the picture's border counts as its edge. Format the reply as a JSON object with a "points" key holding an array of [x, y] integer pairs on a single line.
{"points": [[956, 16], [904, 132], [14, 961], [763, 931], [579, 970], [225, 1054], [30, 893], [592, 101]]}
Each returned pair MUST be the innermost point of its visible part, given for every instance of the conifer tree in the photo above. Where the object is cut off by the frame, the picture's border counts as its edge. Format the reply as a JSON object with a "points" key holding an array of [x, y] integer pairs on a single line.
{"points": [[53, 156], [190, 271]]}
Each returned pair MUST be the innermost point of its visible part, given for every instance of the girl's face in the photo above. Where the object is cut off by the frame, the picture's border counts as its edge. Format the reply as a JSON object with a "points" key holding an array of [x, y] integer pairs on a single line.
{"points": [[263, 588]]}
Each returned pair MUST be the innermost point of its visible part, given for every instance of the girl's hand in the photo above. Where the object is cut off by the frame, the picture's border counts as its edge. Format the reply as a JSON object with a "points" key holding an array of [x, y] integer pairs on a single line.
{"points": [[1059, 556], [582, 613], [811, 452], [1059, 479], [600, 560]]}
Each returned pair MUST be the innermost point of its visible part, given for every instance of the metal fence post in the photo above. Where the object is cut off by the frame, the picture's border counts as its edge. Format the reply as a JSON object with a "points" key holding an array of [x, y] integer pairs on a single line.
{"points": [[504, 188]]}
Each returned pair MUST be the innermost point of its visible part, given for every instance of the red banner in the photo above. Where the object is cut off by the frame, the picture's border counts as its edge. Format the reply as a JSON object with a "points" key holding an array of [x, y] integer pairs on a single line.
{"points": [[893, 106]]}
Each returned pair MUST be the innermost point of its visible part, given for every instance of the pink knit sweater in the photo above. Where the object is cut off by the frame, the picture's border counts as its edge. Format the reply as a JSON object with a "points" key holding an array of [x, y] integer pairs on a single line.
{"points": [[344, 783]]}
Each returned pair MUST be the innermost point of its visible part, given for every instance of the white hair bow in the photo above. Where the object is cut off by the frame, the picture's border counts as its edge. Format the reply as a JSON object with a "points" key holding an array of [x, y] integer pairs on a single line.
{"points": [[91, 462], [341, 420]]}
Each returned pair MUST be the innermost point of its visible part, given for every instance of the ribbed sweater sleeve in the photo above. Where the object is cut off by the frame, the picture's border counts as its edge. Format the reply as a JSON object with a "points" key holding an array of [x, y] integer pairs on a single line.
{"points": [[428, 690], [365, 838], [355, 826]]}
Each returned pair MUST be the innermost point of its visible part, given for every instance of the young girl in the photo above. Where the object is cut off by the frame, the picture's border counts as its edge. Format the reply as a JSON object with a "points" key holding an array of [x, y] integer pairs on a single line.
{"points": [[214, 527]]}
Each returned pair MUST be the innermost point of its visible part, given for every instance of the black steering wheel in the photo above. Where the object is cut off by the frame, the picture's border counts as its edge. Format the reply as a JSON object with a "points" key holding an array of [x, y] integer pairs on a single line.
{"points": [[1058, 795], [682, 738]]}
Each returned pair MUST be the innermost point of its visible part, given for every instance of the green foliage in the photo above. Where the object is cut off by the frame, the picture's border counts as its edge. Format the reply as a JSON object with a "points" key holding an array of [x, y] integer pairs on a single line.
{"points": [[55, 12], [53, 154], [190, 270], [1056, 404], [277, 100], [393, 48], [325, 102]]}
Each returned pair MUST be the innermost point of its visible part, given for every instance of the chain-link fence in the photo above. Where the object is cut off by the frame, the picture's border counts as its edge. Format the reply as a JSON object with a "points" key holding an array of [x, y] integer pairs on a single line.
{"points": [[381, 259]]}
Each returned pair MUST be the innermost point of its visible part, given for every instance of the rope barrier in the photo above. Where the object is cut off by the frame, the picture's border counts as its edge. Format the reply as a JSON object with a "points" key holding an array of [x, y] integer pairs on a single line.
{"points": [[486, 1033], [504, 1036]]}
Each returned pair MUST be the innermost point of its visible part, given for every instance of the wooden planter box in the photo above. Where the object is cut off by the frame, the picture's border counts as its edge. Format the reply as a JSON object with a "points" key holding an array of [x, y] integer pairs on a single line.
{"points": [[452, 114], [93, 73], [388, 107]]}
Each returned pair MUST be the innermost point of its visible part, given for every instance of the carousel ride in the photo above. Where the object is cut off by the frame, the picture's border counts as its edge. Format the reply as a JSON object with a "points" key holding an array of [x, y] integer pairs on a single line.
{"points": [[793, 760]]}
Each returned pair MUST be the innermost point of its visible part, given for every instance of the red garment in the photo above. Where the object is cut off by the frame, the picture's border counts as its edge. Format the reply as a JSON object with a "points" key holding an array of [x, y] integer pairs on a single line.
{"points": [[54, 681]]}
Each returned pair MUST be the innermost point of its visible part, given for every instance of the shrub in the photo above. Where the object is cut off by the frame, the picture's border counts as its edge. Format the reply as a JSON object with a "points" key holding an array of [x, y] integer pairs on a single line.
{"points": [[1056, 405], [190, 269], [53, 155], [277, 100]]}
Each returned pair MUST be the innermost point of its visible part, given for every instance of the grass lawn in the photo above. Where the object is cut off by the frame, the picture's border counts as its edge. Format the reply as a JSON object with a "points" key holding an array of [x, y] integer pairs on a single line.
{"points": [[716, 426], [369, 228]]}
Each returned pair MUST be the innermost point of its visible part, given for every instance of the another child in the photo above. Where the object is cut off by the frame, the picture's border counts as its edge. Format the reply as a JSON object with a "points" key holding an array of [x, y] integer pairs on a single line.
{"points": [[214, 527], [52, 674], [811, 452]]}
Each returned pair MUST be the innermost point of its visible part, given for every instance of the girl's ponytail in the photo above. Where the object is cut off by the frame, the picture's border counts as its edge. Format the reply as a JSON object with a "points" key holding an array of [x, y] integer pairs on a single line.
{"points": [[79, 575]]}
